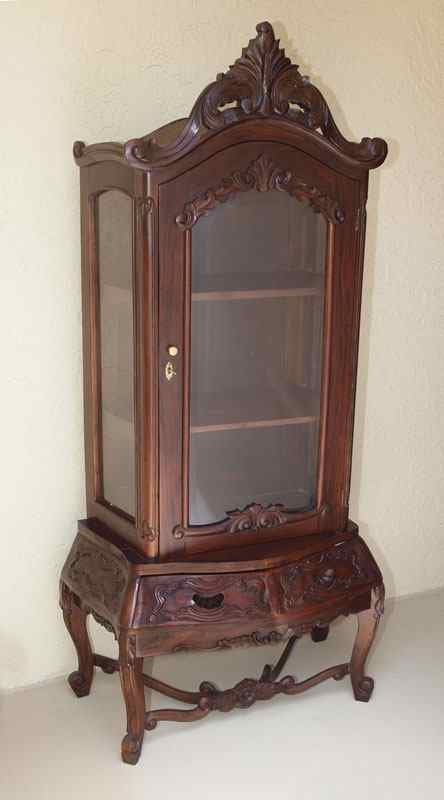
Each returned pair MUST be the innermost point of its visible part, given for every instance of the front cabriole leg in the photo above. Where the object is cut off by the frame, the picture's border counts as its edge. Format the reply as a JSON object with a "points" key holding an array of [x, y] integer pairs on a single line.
{"points": [[367, 626], [75, 621], [131, 679]]}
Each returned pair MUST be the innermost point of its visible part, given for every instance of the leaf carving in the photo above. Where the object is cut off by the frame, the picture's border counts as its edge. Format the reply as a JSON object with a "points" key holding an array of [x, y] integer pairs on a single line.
{"points": [[263, 82], [98, 576], [256, 516], [262, 175]]}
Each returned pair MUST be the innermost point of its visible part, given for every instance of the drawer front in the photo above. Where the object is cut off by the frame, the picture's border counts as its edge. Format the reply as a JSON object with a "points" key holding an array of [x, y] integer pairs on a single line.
{"points": [[289, 593], [322, 578], [203, 598]]}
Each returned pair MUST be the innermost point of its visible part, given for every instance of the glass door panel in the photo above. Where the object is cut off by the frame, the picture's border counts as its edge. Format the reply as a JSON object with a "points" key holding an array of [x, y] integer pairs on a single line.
{"points": [[256, 355], [114, 251]]}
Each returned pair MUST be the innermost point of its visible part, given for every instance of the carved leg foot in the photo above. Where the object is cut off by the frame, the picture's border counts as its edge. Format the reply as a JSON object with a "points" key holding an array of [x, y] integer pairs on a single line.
{"points": [[367, 625], [131, 679], [319, 633], [75, 621], [131, 749], [79, 684]]}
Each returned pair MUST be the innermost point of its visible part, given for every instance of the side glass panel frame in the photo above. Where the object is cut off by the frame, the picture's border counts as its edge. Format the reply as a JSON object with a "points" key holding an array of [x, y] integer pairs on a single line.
{"points": [[100, 489]]}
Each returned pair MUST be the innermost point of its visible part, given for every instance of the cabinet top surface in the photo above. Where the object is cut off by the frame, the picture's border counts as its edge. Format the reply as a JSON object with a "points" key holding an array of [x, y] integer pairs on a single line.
{"points": [[261, 94]]}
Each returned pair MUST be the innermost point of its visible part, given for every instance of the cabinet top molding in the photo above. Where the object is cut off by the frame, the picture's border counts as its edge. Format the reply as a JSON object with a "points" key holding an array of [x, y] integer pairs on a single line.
{"points": [[262, 84]]}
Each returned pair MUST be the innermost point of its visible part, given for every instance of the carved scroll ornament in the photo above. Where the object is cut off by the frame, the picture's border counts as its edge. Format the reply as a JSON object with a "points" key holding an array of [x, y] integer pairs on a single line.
{"points": [[313, 579], [172, 600], [263, 82], [251, 518], [97, 576], [256, 516], [261, 175]]}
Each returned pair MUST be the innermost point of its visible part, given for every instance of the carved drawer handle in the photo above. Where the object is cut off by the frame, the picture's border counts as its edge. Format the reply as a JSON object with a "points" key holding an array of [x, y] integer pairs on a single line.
{"points": [[326, 579], [209, 603]]}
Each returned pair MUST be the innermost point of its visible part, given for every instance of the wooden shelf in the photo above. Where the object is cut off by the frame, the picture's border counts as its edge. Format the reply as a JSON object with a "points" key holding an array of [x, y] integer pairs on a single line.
{"points": [[254, 408], [258, 285]]}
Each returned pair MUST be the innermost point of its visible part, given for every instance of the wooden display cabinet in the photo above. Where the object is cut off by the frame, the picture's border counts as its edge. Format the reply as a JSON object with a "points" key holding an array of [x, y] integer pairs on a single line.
{"points": [[222, 270]]}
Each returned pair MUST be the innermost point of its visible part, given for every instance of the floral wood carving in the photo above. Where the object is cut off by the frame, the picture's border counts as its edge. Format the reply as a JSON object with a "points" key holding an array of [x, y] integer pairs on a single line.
{"points": [[251, 518], [148, 532], [256, 638], [315, 578], [78, 149], [99, 577], [243, 695], [249, 690], [145, 205], [379, 591], [263, 82], [261, 175], [170, 600], [104, 622], [256, 516]]}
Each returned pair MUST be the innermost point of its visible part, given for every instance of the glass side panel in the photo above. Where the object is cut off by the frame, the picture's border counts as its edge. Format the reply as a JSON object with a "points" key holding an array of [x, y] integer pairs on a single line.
{"points": [[256, 355], [114, 246]]}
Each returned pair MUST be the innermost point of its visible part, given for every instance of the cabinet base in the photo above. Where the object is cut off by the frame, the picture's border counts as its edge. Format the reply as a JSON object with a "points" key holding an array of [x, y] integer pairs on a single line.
{"points": [[154, 615]]}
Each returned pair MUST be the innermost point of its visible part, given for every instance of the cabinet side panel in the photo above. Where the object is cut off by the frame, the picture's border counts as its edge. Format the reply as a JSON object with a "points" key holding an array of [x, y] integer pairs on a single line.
{"points": [[343, 332], [89, 365], [114, 213], [359, 241], [96, 180]]}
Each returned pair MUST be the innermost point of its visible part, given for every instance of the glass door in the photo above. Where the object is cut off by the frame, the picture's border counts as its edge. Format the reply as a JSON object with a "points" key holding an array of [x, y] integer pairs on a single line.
{"points": [[255, 364]]}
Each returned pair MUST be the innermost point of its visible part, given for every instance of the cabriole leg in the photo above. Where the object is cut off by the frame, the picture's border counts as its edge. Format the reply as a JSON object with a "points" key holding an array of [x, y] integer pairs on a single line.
{"points": [[75, 621], [367, 626], [131, 679]]}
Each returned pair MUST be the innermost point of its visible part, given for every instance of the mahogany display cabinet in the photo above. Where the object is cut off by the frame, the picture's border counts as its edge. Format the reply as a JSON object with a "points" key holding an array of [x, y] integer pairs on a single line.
{"points": [[222, 262]]}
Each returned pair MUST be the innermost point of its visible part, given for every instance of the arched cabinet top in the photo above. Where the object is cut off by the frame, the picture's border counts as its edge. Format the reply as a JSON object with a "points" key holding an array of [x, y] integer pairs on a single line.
{"points": [[261, 175], [263, 93]]}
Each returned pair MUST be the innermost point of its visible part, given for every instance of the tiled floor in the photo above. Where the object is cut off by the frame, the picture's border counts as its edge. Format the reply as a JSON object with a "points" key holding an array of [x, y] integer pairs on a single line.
{"points": [[320, 745]]}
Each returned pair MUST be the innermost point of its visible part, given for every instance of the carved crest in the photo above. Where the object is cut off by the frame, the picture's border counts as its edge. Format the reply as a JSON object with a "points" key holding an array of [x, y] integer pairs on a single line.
{"points": [[263, 82], [262, 175]]}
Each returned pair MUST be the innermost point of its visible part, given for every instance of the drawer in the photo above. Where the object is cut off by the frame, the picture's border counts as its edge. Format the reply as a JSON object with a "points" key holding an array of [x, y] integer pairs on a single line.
{"points": [[203, 598], [280, 594], [323, 577]]}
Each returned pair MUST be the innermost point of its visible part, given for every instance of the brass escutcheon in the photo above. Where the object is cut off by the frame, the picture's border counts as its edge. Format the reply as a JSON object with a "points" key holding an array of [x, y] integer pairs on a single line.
{"points": [[169, 371]]}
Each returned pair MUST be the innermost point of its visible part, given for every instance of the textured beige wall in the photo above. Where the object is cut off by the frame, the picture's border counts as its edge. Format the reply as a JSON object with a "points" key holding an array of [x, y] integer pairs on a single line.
{"points": [[99, 70]]}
